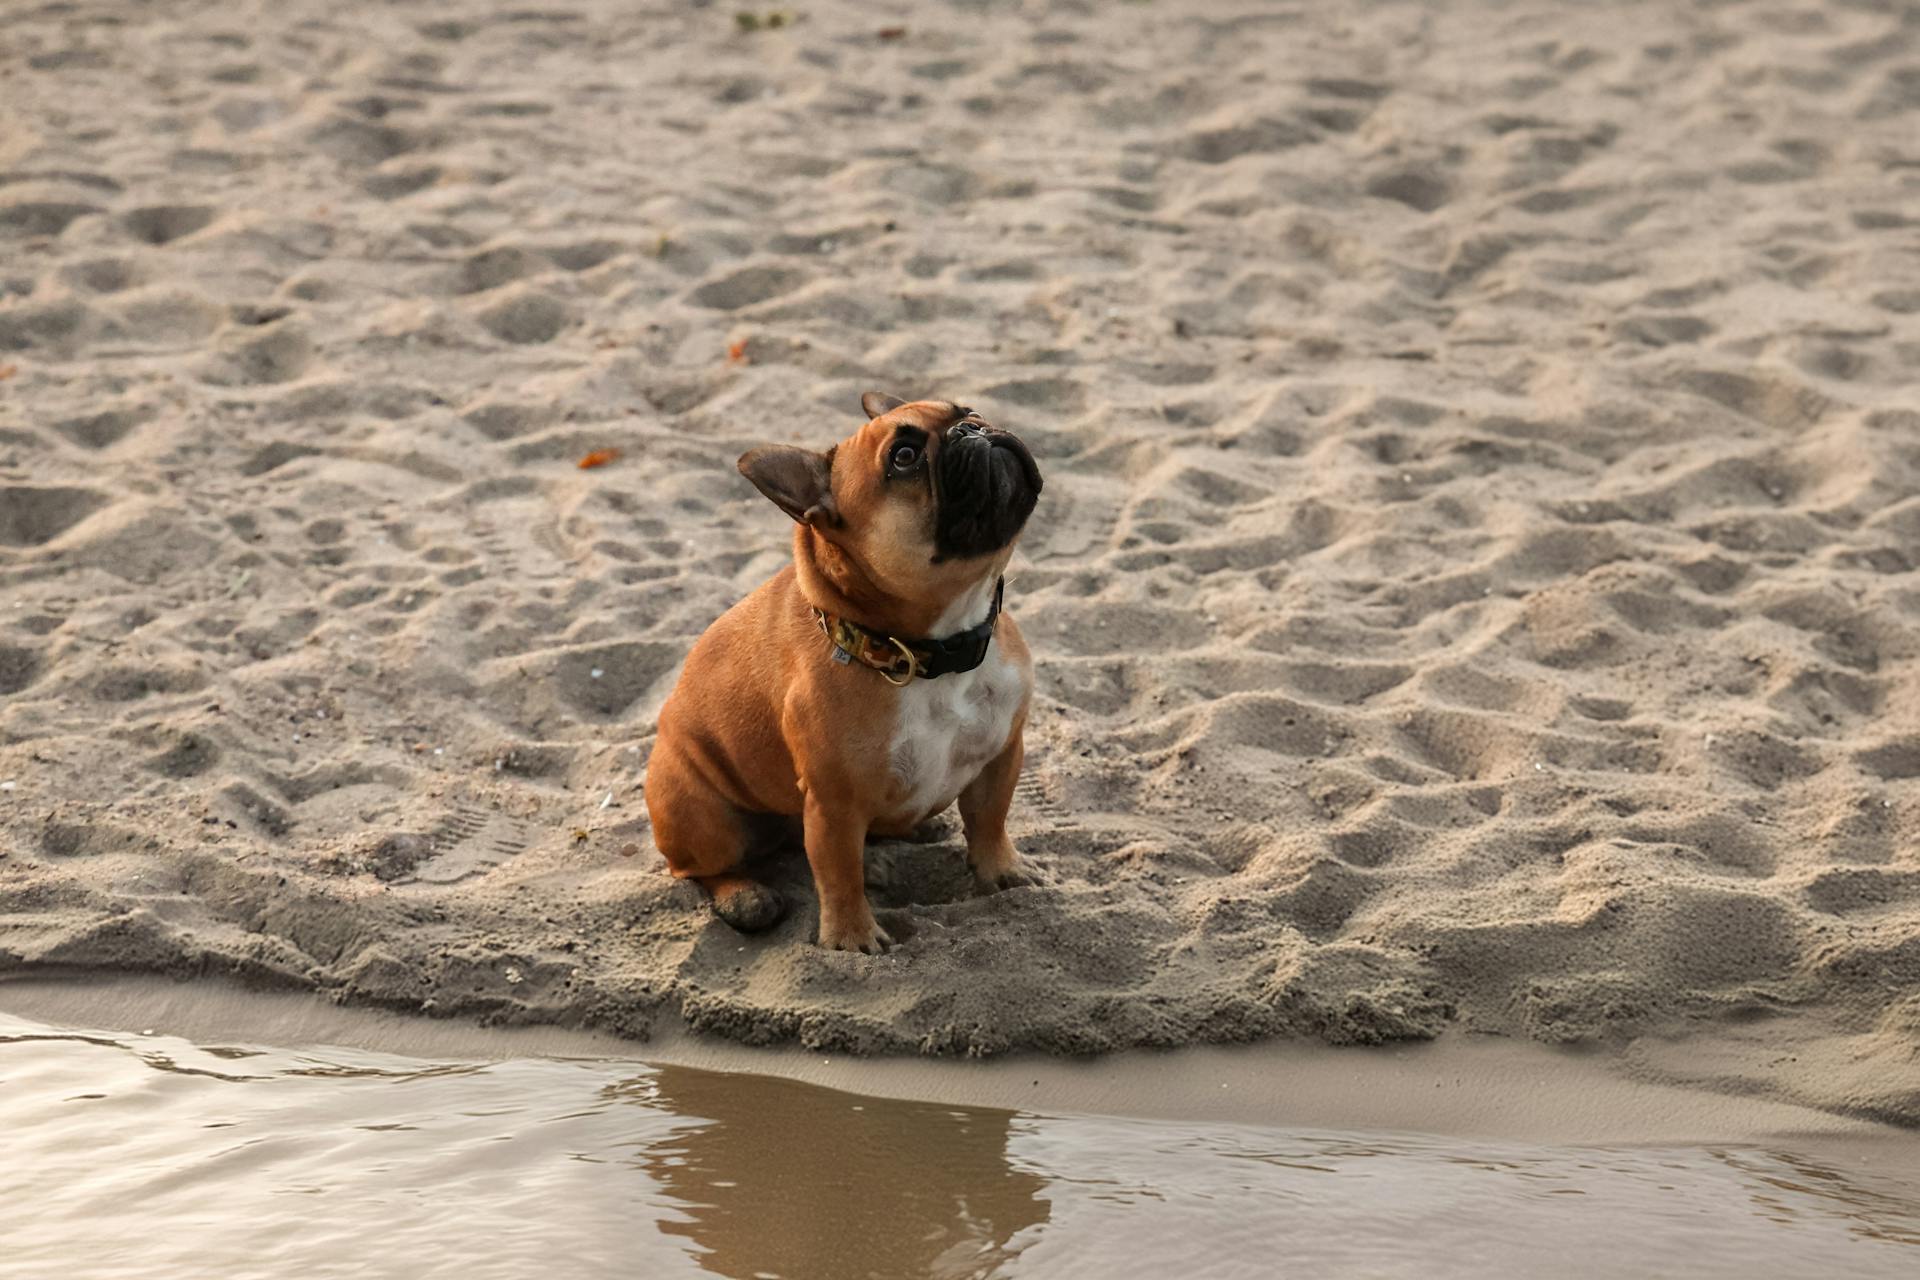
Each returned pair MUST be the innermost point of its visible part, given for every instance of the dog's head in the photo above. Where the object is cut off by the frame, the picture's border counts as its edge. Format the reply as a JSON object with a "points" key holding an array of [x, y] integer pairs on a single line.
{"points": [[925, 498]]}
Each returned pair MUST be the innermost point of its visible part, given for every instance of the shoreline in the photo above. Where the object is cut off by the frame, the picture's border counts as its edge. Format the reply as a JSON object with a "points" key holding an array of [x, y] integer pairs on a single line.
{"points": [[1456, 1086]]}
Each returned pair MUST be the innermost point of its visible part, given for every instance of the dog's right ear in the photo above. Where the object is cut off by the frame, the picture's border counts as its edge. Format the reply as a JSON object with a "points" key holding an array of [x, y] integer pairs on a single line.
{"points": [[799, 481], [875, 403]]}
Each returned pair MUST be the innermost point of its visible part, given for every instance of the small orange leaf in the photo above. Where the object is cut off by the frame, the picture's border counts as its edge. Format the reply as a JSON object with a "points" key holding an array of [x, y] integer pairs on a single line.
{"points": [[737, 352], [8, 370], [598, 458], [891, 33]]}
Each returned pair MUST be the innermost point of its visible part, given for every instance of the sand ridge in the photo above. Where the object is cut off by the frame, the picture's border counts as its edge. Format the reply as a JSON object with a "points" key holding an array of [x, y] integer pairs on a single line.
{"points": [[1475, 586]]}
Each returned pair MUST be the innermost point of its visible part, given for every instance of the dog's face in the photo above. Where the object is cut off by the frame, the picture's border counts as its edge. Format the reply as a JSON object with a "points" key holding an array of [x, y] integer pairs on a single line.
{"points": [[925, 498]]}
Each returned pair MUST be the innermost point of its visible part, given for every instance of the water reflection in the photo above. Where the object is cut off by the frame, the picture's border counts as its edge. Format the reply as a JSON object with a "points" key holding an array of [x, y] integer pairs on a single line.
{"points": [[787, 1179]]}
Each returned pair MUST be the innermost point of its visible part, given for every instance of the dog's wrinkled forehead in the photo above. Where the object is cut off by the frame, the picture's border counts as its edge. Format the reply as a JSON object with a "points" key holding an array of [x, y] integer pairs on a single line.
{"points": [[928, 415]]}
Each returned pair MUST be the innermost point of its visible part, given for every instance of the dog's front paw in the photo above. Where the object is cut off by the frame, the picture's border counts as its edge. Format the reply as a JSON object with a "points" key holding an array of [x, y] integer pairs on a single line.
{"points": [[862, 933], [1008, 872]]}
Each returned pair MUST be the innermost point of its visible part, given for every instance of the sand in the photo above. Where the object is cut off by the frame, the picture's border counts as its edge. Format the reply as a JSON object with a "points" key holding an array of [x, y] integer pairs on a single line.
{"points": [[1475, 589]]}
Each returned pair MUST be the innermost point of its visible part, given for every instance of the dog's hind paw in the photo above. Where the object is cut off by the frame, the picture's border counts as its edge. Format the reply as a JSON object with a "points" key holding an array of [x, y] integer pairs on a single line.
{"points": [[749, 906]]}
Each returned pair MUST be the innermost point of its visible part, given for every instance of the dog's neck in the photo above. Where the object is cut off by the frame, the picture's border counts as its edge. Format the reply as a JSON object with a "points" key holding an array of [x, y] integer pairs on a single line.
{"points": [[835, 583], [969, 609]]}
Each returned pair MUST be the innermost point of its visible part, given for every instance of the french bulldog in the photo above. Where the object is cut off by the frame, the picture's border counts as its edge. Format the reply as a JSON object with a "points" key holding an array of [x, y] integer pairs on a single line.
{"points": [[868, 685]]}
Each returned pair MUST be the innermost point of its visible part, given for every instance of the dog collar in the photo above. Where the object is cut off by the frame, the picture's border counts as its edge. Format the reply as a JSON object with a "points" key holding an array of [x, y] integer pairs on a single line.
{"points": [[901, 660]]}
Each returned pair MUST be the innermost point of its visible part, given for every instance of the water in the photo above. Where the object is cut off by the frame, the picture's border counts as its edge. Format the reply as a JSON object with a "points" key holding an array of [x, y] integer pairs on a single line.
{"points": [[150, 1156]]}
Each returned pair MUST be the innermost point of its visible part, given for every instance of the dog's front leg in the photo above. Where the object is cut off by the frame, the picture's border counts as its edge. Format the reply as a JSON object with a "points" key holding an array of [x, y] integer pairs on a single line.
{"points": [[836, 836], [983, 810]]}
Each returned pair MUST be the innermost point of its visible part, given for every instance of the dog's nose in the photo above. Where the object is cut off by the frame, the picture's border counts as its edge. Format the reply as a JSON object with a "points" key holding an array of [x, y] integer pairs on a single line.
{"points": [[961, 430]]}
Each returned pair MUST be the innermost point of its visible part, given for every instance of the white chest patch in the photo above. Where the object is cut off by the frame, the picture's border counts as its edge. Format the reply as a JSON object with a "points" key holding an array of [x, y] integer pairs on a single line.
{"points": [[947, 729]]}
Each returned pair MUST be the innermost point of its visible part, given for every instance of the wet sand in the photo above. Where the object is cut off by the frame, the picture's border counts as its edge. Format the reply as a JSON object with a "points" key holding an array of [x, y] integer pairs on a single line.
{"points": [[1474, 594]]}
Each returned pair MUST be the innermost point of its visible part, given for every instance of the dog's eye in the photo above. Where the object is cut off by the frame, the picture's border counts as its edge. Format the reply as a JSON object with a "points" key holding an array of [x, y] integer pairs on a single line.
{"points": [[903, 458]]}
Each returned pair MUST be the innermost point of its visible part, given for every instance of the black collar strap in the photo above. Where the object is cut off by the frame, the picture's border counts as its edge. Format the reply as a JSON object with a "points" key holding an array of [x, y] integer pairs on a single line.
{"points": [[901, 660]]}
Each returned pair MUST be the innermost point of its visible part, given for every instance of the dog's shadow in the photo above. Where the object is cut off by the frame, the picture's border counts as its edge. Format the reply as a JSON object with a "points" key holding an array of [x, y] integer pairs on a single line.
{"points": [[926, 869]]}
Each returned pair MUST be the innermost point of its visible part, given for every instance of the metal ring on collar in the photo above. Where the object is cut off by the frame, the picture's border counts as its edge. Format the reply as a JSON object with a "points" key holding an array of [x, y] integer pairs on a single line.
{"points": [[912, 664]]}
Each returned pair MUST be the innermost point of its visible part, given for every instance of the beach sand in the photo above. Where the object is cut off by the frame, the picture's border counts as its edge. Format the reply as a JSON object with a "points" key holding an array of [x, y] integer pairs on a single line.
{"points": [[1475, 589]]}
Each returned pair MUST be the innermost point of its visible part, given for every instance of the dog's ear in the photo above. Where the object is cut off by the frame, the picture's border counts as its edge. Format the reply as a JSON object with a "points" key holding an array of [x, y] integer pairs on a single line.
{"points": [[799, 481], [875, 403]]}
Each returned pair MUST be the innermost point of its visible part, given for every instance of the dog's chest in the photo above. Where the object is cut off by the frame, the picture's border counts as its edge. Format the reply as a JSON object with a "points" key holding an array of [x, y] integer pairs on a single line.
{"points": [[946, 730]]}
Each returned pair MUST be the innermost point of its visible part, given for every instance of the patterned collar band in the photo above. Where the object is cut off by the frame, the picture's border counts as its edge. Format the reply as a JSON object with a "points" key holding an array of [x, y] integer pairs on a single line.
{"points": [[902, 660]]}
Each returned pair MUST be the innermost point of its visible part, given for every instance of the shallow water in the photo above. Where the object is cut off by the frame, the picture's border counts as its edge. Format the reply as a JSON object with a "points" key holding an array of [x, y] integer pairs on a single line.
{"points": [[147, 1155]]}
